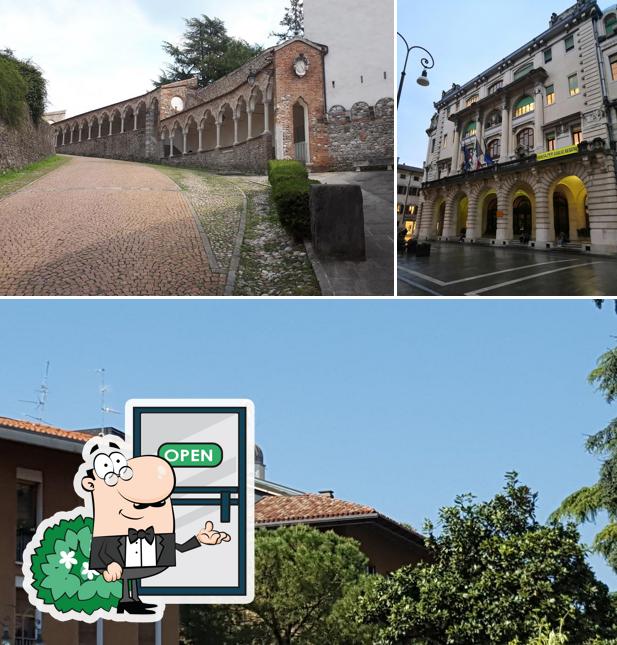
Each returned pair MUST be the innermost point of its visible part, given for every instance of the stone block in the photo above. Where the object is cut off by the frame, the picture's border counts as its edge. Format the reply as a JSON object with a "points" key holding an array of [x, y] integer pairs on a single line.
{"points": [[337, 221]]}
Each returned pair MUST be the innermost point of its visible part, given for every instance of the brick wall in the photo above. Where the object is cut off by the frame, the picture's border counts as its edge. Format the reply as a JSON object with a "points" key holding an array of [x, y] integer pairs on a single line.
{"points": [[130, 146], [250, 157], [25, 144]]}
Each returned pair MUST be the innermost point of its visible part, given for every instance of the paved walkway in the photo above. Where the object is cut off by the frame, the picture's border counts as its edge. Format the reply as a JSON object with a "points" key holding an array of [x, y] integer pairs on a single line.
{"points": [[103, 227], [465, 269], [375, 276]]}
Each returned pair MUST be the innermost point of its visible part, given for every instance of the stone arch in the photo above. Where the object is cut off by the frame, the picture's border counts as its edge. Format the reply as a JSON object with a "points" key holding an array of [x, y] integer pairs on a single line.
{"points": [[338, 114], [459, 203], [301, 133], [241, 127], [257, 108], [74, 131], [384, 107], [83, 130], [438, 216], [360, 110], [488, 203], [140, 111], [520, 222], [164, 144], [572, 183], [176, 139], [58, 132], [128, 116], [104, 124], [94, 127], [208, 137], [192, 135], [226, 125], [116, 122]]}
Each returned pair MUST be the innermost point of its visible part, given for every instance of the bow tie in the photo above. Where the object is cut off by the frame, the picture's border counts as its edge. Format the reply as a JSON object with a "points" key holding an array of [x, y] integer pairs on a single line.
{"points": [[148, 535]]}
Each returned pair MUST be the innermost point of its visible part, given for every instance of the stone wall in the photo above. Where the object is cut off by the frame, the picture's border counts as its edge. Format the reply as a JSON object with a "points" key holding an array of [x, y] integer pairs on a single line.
{"points": [[250, 157], [25, 144], [130, 146], [360, 137]]}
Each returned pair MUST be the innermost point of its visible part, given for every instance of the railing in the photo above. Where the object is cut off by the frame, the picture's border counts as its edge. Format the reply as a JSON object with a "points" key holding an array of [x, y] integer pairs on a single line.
{"points": [[23, 537], [301, 151], [25, 640]]}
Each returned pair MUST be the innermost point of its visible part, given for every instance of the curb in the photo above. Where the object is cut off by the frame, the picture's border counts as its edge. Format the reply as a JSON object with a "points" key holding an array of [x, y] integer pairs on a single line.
{"points": [[320, 273]]}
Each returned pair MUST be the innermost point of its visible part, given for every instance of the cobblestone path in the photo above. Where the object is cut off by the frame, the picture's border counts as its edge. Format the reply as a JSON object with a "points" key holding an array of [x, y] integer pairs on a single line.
{"points": [[102, 227]]}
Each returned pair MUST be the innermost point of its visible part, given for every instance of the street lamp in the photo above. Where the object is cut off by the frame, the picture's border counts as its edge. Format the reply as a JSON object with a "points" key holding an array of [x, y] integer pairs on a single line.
{"points": [[427, 63]]}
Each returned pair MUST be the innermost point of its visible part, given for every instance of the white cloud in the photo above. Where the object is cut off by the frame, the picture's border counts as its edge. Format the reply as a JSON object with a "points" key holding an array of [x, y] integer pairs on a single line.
{"points": [[95, 53]]}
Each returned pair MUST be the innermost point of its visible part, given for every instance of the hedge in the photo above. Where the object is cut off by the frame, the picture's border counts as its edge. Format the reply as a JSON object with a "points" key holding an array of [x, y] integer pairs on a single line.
{"points": [[12, 93], [290, 192]]}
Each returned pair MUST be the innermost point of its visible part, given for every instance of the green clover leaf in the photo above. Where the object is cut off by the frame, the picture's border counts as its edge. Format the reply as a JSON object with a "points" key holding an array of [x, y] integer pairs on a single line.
{"points": [[84, 537]]}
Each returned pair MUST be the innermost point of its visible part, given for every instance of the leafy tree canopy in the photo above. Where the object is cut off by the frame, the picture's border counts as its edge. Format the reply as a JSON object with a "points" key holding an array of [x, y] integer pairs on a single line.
{"points": [[307, 585], [206, 51], [495, 575], [32, 88], [292, 22]]}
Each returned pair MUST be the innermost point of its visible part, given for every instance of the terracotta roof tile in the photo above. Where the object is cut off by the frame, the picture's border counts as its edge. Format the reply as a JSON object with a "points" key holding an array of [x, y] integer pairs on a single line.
{"points": [[306, 507], [41, 428]]}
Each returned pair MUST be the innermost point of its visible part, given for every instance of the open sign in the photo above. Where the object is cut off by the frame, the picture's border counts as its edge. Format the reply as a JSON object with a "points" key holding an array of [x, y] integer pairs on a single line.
{"points": [[192, 455]]}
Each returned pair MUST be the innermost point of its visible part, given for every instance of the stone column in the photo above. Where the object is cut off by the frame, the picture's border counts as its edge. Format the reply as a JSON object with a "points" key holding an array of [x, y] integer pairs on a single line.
{"points": [[425, 225], [266, 117], [235, 130], [543, 232], [504, 226], [249, 130], [474, 223], [456, 150], [185, 135], [63, 133], [100, 127], [539, 120], [449, 221], [80, 129], [121, 125], [218, 134], [505, 131], [135, 121], [200, 131], [89, 131], [111, 123], [172, 138]]}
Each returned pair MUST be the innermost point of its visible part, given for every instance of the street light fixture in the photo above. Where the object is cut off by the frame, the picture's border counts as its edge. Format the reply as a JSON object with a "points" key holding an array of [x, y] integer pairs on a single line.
{"points": [[427, 63]]}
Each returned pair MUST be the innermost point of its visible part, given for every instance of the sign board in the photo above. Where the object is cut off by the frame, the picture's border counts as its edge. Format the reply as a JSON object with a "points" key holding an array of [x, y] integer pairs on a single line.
{"points": [[560, 152], [210, 446]]}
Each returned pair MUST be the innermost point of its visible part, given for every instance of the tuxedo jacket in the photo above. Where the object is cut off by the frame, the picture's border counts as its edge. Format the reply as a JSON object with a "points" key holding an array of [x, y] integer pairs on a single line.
{"points": [[112, 548]]}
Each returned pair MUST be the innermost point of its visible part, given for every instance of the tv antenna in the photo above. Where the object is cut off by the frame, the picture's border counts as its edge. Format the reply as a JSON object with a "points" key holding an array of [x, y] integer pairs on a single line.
{"points": [[41, 398], [105, 409]]}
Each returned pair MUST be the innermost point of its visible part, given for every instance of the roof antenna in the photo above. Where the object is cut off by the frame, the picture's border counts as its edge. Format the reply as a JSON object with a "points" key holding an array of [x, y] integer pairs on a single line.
{"points": [[105, 409], [41, 398]]}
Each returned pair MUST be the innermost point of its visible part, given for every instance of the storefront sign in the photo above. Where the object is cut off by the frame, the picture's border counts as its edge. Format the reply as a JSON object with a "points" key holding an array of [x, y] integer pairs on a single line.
{"points": [[560, 152]]}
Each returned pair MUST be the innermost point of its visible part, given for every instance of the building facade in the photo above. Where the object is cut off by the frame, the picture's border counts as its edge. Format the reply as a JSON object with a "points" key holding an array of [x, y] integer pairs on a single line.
{"points": [[524, 153], [408, 187], [275, 106]]}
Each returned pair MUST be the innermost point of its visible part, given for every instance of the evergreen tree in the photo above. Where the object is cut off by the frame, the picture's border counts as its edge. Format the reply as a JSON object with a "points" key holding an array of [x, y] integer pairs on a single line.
{"points": [[293, 21], [207, 51]]}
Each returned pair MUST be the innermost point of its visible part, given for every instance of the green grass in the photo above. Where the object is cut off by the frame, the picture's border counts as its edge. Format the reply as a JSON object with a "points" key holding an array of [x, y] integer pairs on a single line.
{"points": [[12, 180]]}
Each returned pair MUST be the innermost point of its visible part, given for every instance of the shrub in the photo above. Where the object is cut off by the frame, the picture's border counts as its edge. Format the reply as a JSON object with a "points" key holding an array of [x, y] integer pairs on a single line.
{"points": [[35, 86], [290, 192], [12, 93], [60, 571]]}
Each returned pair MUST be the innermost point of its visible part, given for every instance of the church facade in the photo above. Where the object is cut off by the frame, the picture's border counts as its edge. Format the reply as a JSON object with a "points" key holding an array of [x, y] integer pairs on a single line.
{"points": [[524, 153]]}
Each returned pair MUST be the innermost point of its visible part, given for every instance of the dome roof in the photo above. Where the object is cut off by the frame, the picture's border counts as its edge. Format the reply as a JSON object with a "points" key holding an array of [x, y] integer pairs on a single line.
{"points": [[259, 455]]}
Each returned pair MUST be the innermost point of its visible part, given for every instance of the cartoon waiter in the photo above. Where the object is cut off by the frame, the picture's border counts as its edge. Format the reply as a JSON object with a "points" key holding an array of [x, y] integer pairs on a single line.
{"points": [[134, 528]]}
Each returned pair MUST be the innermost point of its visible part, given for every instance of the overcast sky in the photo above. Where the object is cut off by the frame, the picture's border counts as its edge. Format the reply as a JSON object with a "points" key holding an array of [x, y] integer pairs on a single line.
{"points": [[94, 53]]}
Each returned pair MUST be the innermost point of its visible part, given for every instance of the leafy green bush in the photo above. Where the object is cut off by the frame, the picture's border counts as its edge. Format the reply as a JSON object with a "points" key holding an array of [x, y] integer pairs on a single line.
{"points": [[290, 192], [61, 574], [34, 89], [12, 93]]}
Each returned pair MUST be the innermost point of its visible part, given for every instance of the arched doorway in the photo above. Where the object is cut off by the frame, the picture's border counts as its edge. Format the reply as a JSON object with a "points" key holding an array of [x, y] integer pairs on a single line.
{"points": [[522, 223], [561, 215], [489, 229], [300, 131], [461, 216]]}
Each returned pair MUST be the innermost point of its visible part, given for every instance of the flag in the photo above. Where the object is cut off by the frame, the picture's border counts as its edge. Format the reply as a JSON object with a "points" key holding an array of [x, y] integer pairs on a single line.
{"points": [[479, 155], [488, 160], [467, 155]]}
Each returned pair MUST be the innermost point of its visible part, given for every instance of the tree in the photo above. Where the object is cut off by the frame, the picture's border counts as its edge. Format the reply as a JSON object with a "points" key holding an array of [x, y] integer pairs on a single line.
{"points": [[33, 89], [307, 586], [584, 504], [207, 51], [494, 575], [292, 22]]}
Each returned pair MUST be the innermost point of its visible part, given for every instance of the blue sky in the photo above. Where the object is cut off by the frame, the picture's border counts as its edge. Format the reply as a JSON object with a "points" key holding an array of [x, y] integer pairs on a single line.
{"points": [[96, 53], [400, 405], [465, 38]]}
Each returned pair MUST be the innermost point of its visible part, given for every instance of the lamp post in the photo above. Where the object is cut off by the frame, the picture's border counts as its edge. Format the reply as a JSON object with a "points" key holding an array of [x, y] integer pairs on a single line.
{"points": [[427, 63]]}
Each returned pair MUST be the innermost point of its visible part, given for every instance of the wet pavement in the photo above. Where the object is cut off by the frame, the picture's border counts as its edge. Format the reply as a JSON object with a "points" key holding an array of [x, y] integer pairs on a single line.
{"points": [[465, 270]]}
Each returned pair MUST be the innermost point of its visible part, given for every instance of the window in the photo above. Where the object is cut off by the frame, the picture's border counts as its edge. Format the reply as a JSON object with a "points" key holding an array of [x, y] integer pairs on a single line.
{"points": [[494, 148], [573, 85], [523, 106], [433, 145], [550, 94], [470, 129], [550, 141], [402, 190], [522, 71], [448, 110], [569, 42], [525, 138], [445, 140], [493, 119], [495, 86], [548, 55], [27, 493], [403, 176], [577, 135], [416, 178], [471, 100], [610, 24], [613, 62], [25, 624]]}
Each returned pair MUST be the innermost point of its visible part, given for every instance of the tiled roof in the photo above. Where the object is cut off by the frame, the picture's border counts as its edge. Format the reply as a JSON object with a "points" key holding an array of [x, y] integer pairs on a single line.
{"points": [[306, 507], [40, 428]]}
